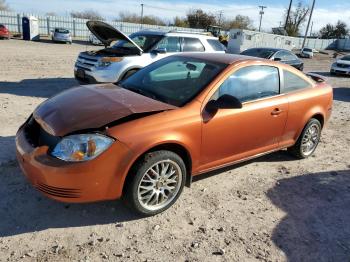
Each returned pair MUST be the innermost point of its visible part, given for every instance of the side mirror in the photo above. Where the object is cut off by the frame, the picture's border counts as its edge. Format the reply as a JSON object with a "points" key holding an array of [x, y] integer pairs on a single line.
{"points": [[161, 50], [277, 59], [223, 102]]}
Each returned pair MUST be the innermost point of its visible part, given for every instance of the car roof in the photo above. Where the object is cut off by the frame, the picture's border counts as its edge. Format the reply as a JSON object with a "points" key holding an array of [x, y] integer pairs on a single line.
{"points": [[174, 33], [223, 58]]}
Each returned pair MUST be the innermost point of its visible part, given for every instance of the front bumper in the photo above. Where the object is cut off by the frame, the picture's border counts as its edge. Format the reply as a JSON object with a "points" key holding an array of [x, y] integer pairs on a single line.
{"points": [[99, 179], [340, 70]]}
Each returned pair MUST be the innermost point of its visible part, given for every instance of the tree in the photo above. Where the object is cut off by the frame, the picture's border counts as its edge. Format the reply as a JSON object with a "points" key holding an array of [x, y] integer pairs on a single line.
{"points": [[339, 30], [4, 6], [180, 22], [134, 18], [296, 19], [87, 14], [199, 19], [239, 22]]}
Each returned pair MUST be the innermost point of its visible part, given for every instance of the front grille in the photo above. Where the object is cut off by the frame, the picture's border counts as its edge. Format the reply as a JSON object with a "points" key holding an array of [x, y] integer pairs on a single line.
{"points": [[343, 65], [86, 63], [36, 136], [59, 191]]}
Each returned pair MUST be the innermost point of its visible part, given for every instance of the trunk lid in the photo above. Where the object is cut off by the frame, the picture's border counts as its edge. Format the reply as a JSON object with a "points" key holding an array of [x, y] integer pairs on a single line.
{"points": [[107, 34]]}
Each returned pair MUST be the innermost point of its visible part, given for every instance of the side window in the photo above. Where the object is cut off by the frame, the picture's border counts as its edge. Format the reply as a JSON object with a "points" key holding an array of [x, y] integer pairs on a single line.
{"points": [[192, 45], [251, 83], [171, 44], [293, 82], [216, 45], [282, 55]]}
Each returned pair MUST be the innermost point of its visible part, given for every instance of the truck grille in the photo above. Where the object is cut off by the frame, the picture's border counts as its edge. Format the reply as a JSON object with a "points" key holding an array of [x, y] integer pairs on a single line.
{"points": [[86, 62]]}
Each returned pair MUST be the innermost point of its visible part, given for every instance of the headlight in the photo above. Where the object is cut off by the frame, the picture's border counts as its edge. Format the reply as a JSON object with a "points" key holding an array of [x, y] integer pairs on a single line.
{"points": [[107, 61], [81, 147]]}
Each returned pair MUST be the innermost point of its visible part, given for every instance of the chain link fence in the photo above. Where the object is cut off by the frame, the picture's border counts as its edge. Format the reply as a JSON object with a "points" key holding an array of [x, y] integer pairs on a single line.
{"points": [[77, 26]]}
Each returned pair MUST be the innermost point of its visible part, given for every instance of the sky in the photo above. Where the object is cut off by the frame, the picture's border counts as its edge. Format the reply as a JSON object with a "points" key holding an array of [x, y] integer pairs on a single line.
{"points": [[326, 11]]}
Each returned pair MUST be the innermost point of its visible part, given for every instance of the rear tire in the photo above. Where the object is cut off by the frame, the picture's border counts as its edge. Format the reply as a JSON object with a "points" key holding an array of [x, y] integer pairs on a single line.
{"points": [[308, 140], [156, 183]]}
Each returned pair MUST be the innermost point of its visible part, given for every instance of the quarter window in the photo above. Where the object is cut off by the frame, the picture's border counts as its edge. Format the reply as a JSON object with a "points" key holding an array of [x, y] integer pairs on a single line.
{"points": [[171, 44], [293, 82], [192, 45], [251, 83]]}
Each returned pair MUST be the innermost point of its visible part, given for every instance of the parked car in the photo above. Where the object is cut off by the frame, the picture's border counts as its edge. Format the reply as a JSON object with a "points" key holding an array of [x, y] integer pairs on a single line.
{"points": [[276, 54], [306, 52], [341, 66], [147, 136], [62, 35], [94, 41], [129, 54], [4, 32]]}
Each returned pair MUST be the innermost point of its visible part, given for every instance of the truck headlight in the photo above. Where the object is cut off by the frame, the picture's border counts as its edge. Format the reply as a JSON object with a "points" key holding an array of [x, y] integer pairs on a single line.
{"points": [[81, 147], [107, 61]]}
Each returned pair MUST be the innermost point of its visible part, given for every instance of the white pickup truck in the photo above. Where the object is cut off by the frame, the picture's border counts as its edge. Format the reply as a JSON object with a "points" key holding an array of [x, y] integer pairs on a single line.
{"points": [[130, 53]]}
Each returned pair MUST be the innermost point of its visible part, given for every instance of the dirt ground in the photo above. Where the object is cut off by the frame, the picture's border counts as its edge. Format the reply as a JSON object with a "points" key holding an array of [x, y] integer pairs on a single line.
{"points": [[274, 208]]}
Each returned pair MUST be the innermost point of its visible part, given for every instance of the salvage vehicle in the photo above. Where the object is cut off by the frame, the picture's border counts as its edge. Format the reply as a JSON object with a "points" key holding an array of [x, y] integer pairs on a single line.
{"points": [[61, 35], [145, 137], [4, 32], [341, 66], [276, 54], [306, 52], [129, 54]]}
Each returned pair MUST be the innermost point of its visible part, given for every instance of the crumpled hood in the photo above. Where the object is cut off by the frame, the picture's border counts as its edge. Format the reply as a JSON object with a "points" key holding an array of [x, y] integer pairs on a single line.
{"points": [[91, 107]]}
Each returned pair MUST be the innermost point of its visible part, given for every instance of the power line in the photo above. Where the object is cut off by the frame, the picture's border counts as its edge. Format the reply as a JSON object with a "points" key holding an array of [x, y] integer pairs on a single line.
{"points": [[261, 14]]}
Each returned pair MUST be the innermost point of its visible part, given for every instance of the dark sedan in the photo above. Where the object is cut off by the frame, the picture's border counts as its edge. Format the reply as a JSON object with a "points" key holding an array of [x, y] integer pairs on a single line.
{"points": [[276, 54]]}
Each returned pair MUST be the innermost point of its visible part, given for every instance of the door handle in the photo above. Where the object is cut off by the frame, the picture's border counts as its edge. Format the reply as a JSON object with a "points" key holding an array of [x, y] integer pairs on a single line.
{"points": [[276, 112]]}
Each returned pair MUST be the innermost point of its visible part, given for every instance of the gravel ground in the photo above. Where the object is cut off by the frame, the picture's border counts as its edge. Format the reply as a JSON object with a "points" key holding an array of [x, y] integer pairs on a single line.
{"points": [[274, 208]]}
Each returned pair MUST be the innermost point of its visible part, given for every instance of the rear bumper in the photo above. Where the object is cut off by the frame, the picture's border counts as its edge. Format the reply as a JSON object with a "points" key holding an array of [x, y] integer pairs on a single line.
{"points": [[99, 179]]}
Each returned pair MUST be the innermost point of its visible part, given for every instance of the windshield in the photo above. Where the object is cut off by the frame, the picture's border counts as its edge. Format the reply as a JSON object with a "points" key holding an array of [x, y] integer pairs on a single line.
{"points": [[146, 42], [173, 80], [307, 50], [346, 58], [263, 53], [62, 31]]}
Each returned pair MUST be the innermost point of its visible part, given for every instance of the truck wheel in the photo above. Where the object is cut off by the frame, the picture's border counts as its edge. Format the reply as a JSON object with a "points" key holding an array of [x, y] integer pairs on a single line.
{"points": [[129, 73], [157, 182], [308, 140]]}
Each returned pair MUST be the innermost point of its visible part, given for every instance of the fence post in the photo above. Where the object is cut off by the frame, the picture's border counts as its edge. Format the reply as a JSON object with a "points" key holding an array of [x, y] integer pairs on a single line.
{"points": [[48, 25], [74, 29], [19, 23]]}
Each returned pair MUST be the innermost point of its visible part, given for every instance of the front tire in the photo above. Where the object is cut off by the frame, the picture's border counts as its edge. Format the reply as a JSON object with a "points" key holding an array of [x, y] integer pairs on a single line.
{"points": [[157, 182], [129, 73], [308, 140]]}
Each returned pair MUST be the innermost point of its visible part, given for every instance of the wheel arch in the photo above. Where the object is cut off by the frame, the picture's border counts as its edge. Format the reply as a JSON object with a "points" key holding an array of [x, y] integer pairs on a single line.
{"points": [[174, 147], [125, 71]]}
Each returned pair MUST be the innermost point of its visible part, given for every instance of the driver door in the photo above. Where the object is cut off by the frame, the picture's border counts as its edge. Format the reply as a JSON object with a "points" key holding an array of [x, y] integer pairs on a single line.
{"points": [[234, 134]]}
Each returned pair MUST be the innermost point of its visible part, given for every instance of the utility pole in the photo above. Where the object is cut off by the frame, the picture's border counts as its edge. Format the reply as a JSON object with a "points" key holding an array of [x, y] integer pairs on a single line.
{"points": [[312, 25], [220, 16], [308, 23], [261, 14], [141, 15], [288, 13]]}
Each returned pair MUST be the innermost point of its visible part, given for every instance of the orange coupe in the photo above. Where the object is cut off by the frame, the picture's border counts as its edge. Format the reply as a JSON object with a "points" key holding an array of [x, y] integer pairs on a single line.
{"points": [[145, 137]]}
